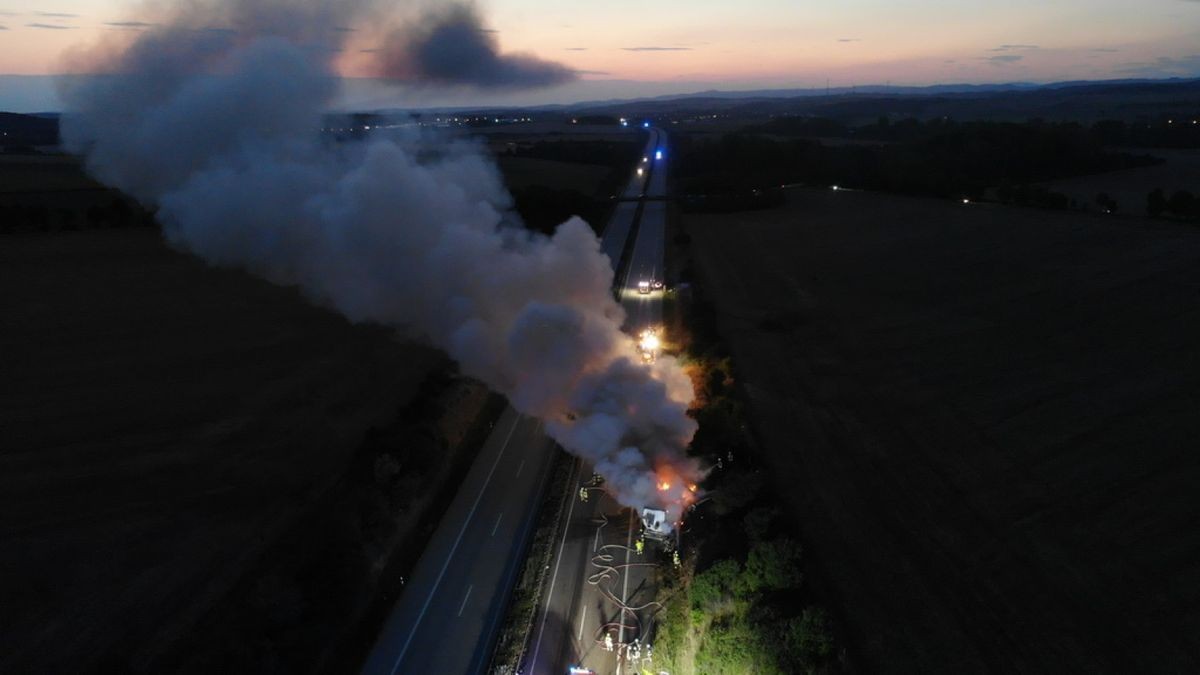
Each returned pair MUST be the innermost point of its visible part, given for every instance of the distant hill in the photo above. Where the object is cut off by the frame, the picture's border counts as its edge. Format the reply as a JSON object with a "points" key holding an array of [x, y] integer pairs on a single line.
{"points": [[1082, 101], [1077, 101]]}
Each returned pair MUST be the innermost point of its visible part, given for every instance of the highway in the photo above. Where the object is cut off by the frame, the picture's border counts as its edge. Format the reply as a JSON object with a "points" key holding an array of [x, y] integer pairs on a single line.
{"points": [[595, 556], [449, 614]]}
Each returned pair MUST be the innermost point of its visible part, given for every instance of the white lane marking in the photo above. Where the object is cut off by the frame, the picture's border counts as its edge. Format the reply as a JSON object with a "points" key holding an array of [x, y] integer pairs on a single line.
{"points": [[596, 541], [466, 521], [582, 616], [497, 523], [519, 467], [537, 646], [464, 605]]}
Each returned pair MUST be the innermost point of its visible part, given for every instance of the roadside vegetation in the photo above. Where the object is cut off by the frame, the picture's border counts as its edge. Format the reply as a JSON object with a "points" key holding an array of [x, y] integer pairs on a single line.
{"points": [[737, 602], [522, 609]]}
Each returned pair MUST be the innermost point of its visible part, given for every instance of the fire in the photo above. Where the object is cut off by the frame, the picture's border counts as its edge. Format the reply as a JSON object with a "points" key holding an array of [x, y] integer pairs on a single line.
{"points": [[676, 491], [649, 344]]}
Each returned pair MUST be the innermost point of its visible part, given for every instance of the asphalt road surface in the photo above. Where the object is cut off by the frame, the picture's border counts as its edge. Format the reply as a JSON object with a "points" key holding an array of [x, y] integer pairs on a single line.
{"points": [[596, 560], [447, 619]]}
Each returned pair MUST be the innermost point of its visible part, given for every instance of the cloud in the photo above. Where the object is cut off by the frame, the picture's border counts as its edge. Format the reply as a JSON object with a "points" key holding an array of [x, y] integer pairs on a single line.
{"points": [[849, 39], [129, 24], [657, 49], [48, 26], [577, 49], [592, 72], [1108, 50], [450, 47], [1013, 48], [1002, 59], [3, 27], [344, 29], [57, 15]]}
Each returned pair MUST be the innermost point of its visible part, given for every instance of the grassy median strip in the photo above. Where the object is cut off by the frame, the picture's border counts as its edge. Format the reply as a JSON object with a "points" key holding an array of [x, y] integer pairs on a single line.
{"points": [[522, 610]]}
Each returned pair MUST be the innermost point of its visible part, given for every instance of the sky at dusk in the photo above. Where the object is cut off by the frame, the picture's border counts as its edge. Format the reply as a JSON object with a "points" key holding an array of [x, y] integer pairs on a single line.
{"points": [[635, 48]]}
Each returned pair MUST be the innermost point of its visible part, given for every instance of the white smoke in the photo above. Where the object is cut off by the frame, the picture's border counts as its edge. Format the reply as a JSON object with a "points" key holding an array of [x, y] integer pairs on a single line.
{"points": [[221, 132]]}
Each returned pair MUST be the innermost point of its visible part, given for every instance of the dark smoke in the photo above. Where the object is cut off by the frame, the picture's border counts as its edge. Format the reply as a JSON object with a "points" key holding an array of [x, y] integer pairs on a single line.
{"points": [[450, 46], [220, 130]]}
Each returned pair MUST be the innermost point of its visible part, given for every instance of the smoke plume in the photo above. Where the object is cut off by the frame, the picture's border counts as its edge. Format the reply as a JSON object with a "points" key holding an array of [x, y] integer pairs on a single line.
{"points": [[221, 132], [450, 46]]}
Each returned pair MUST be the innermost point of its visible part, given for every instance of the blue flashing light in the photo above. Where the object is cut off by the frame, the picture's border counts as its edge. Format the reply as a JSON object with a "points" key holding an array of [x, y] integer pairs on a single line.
{"points": [[658, 154], [645, 125]]}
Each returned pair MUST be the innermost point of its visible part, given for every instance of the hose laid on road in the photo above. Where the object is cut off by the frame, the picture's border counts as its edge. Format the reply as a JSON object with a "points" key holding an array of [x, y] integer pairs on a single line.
{"points": [[609, 570]]}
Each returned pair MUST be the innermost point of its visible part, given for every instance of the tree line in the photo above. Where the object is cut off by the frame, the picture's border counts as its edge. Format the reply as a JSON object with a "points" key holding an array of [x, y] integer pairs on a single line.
{"points": [[116, 212]]}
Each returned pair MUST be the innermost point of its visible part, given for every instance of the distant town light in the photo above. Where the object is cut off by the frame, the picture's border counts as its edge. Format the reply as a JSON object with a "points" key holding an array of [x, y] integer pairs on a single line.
{"points": [[835, 188]]}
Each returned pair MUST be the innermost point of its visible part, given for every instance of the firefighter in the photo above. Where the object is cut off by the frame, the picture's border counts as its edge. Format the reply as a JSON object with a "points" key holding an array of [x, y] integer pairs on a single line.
{"points": [[583, 494], [675, 558], [640, 545], [608, 645]]}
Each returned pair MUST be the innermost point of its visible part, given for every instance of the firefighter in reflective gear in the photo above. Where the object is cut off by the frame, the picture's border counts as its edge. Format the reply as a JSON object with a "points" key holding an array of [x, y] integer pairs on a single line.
{"points": [[675, 558], [583, 494], [608, 646], [640, 545]]}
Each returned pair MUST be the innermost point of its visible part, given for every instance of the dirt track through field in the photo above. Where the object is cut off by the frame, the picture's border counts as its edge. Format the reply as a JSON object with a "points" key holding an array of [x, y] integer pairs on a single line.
{"points": [[984, 420]]}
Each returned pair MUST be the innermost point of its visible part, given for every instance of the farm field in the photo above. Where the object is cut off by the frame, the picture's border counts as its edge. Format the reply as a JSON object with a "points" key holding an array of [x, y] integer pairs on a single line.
{"points": [[522, 172], [1180, 170], [984, 420], [163, 422]]}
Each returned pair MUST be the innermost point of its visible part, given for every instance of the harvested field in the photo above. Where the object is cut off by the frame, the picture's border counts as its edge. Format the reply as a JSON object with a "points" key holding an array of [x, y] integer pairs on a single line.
{"points": [[522, 172], [163, 422], [1180, 170], [984, 420]]}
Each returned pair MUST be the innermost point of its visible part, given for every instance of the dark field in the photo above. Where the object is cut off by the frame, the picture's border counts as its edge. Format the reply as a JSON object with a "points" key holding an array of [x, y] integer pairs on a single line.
{"points": [[984, 420], [162, 423]]}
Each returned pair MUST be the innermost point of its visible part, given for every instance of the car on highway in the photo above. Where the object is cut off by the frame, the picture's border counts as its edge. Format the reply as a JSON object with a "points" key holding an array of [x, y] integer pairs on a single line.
{"points": [[643, 287]]}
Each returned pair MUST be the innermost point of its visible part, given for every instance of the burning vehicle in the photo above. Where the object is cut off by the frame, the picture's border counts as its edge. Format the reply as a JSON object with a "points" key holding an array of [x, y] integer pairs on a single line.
{"points": [[649, 344]]}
